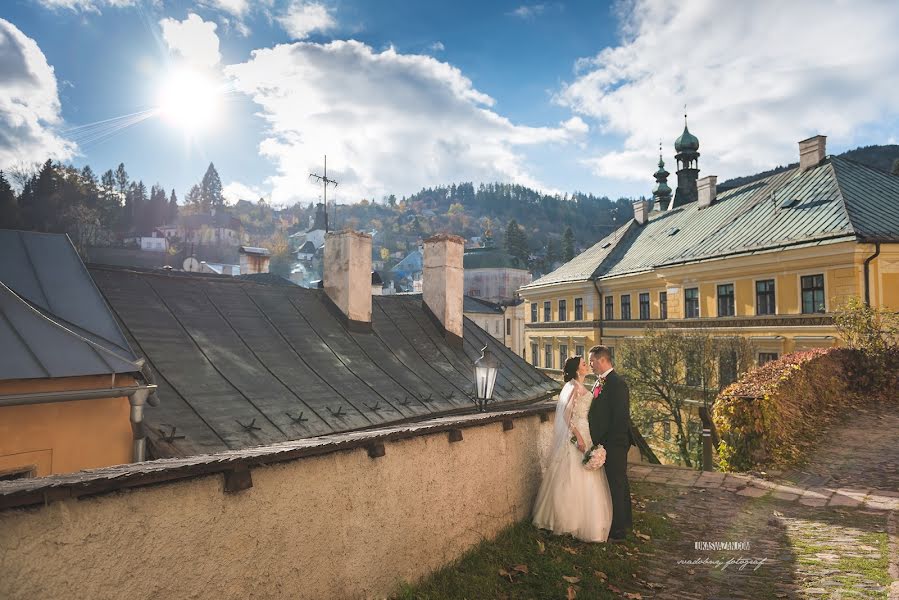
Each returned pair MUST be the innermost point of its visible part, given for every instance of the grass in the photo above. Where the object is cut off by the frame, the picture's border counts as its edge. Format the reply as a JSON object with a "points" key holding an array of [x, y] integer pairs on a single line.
{"points": [[525, 562]]}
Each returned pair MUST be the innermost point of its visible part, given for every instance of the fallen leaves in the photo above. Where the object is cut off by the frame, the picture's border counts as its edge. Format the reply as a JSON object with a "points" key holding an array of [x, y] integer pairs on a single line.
{"points": [[633, 596], [520, 568], [513, 571], [572, 592], [570, 550], [602, 576], [571, 579], [642, 536], [541, 547]]}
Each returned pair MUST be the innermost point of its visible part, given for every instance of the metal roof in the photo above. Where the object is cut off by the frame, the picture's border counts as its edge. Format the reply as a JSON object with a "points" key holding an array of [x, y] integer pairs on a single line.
{"points": [[837, 200], [470, 304], [241, 364], [53, 320]]}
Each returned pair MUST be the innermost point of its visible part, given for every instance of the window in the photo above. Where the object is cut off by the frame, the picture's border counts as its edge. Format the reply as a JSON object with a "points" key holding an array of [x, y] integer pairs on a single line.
{"points": [[727, 368], [626, 307], [563, 310], [812, 294], [644, 306], [610, 308], [18, 473], [496, 327], [694, 375], [508, 326], [726, 300], [547, 311], [535, 355], [533, 312], [578, 309], [691, 303], [764, 297], [663, 305], [766, 357], [563, 355], [612, 353], [579, 351], [548, 356]]}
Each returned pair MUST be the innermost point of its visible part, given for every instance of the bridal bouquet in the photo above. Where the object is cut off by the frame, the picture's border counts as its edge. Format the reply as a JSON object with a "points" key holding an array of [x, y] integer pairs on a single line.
{"points": [[594, 458]]}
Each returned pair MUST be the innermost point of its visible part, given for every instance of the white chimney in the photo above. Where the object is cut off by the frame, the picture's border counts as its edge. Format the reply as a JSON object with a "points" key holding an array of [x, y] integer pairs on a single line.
{"points": [[254, 260], [346, 275], [812, 152], [707, 190], [641, 210], [442, 282]]}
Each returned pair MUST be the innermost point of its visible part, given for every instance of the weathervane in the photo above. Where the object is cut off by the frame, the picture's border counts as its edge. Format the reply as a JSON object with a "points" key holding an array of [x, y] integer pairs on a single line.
{"points": [[325, 181]]}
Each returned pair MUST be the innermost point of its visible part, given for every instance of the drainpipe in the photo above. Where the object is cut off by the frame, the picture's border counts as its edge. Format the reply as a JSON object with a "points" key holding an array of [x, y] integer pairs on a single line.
{"points": [[867, 283]]}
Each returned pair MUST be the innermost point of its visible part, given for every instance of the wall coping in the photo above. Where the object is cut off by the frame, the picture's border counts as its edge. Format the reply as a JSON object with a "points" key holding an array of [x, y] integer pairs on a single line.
{"points": [[235, 464]]}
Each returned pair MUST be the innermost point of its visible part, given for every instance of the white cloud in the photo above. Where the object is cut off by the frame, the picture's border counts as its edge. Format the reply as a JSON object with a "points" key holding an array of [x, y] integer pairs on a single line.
{"points": [[29, 103], [301, 19], [389, 123], [235, 191], [85, 5], [756, 77], [238, 8], [528, 11], [193, 39], [437, 47]]}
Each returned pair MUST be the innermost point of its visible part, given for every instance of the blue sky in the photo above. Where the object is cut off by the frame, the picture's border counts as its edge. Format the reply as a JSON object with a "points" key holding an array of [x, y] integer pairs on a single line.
{"points": [[562, 96]]}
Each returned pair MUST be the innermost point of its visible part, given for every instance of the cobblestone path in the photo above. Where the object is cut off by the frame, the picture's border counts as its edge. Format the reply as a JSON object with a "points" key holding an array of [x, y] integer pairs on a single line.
{"points": [[827, 530]]}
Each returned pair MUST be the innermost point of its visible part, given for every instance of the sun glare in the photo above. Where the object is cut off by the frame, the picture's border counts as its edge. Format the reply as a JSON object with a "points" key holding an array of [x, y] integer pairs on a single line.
{"points": [[190, 101]]}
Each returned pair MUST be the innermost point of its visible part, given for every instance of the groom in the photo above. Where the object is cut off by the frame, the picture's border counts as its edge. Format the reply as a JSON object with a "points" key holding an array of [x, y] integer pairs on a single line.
{"points": [[609, 419]]}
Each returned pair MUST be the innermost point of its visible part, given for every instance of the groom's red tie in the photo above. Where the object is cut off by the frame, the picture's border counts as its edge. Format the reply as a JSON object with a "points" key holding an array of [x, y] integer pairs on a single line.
{"points": [[596, 390]]}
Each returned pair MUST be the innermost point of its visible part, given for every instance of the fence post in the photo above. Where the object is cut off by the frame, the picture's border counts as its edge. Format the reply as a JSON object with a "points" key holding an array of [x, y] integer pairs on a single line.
{"points": [[707, 450]]}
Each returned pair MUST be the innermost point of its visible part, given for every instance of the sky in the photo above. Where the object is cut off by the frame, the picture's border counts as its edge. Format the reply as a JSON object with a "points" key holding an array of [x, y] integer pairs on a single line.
{"points": [[560, 96]]}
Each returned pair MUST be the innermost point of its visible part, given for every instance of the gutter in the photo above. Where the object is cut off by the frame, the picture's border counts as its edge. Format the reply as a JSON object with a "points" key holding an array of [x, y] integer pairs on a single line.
{"points": [[867, 273], [138, 397]]}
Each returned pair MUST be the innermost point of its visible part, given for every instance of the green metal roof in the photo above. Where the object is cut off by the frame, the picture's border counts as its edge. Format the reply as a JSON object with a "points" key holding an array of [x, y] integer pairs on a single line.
{"points": [[490, 258], [837, 200], [686, 141]]}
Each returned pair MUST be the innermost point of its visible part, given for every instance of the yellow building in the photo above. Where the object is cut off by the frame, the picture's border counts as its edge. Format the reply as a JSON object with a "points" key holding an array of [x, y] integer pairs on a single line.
{"points": [[71, 390], [770, 260]]}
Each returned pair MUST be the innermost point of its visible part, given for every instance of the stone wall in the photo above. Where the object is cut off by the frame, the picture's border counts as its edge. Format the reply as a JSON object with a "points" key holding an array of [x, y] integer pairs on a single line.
{"points": [[339, 524]]}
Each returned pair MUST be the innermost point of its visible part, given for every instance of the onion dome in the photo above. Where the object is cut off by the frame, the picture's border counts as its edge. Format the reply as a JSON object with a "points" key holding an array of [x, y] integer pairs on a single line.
{"points": [[687, 142]]}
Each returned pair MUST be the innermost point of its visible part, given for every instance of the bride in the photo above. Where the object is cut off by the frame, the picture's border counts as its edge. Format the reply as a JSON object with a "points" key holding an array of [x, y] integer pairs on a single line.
{"points": [[572, 499]]}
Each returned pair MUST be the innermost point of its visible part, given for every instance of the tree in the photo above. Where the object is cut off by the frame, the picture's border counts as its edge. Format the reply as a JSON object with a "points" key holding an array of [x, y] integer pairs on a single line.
{"points": [[516, 243], [172, 213], [9, 205], [671, 374], [568, 245], [121, 180], [211, 189]]}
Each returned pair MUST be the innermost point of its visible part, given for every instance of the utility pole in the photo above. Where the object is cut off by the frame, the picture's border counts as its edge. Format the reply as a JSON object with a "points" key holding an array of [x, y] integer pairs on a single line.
{"points": [[325, 181]]}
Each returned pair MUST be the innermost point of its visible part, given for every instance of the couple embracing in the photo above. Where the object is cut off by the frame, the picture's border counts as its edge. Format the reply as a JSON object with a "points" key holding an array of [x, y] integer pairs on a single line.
{"points": [[582, 494]]}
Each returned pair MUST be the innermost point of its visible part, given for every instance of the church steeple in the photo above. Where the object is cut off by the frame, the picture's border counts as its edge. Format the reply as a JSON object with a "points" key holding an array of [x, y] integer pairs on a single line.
{"points": [[687, 155], [661, 193]]}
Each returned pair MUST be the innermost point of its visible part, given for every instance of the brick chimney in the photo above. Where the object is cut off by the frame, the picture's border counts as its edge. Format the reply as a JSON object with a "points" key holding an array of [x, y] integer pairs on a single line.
{"points": [[812, 152], [346, 276], [707, 188], [442, 283]]}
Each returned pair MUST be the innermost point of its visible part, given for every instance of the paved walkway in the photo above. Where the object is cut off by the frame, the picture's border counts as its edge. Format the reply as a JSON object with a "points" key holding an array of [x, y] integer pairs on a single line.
{"points": [[827, 530]]}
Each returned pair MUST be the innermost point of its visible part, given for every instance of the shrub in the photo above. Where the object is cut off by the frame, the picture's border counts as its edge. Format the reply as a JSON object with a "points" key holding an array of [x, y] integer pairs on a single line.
{"points": [[775, 413]]}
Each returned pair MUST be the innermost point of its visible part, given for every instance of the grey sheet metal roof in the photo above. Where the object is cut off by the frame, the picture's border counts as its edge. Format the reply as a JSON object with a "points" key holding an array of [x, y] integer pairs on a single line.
{"points": [[53, 320], [837, 200], [470, 304], [241, 364]]}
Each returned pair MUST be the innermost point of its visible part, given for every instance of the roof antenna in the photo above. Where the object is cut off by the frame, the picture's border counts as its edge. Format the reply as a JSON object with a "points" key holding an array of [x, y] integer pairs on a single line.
{"points": [[325, 181]]}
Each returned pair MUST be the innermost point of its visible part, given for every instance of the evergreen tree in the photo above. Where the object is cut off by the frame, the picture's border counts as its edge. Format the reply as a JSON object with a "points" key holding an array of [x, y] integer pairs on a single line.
{"points": [[211, 189], [552, 253], [515, 243], [568, 245], [39, 201], [157, 208], [107, 181], [172, 213], [121, 180], [9, 206], [194, 198]]}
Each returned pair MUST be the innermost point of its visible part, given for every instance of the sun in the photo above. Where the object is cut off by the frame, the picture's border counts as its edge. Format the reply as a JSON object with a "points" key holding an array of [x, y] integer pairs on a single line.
{"points": [[190, 100]]}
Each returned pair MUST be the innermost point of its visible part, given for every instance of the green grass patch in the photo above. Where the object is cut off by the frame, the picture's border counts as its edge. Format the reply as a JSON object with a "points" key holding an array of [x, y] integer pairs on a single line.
{"points": [[525, 562]]}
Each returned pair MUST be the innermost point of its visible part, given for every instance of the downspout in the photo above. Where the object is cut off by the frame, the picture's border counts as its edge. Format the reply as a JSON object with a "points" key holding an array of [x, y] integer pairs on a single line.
{"points": [[599, 309], [867, 273]]}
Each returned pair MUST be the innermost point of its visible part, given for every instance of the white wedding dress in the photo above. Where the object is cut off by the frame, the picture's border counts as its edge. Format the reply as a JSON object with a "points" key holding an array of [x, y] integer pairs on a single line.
{"points": [[572, 499]]}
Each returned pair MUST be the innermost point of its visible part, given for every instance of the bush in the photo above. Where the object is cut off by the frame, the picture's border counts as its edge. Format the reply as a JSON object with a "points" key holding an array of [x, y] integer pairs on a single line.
{"points": [[775, 413]]}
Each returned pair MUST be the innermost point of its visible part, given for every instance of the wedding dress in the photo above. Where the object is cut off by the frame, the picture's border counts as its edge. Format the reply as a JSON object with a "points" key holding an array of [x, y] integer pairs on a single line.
{"points": [[572, 499]]}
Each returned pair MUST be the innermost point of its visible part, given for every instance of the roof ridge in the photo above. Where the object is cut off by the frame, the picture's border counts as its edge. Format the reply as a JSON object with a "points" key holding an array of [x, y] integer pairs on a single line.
{"points": [[843, 204]]}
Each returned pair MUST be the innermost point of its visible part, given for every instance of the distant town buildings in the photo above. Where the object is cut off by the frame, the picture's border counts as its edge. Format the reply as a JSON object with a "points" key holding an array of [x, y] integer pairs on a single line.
{"points": [[492, 274]]}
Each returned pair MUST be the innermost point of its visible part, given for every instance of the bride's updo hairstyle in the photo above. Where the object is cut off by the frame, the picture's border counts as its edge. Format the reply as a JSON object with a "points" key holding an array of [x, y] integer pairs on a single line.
{"points": [[571, 367]]}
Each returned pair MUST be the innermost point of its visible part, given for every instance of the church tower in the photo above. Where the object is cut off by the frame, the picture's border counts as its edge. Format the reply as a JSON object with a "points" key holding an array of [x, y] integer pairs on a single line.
{"points": [[686, 149], [661, 193]]}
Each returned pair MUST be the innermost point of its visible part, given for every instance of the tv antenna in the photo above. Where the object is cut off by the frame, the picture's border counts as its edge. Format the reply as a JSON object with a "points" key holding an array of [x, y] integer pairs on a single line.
{"points": [[325, 181]]}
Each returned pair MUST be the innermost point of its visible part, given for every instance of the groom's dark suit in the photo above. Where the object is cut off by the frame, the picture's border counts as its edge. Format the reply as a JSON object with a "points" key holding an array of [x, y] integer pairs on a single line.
{"points": [[609, 418]]}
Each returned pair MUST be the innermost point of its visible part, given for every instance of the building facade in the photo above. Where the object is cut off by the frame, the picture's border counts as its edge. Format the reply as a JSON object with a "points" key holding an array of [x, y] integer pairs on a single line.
{"points": [[770, 260]]}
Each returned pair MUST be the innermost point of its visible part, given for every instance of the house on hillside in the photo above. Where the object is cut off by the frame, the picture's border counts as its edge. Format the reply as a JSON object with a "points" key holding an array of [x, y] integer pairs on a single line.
{"points": [[770, 260], [243, 363], [492, 274], [215, 228], [72, 392]]}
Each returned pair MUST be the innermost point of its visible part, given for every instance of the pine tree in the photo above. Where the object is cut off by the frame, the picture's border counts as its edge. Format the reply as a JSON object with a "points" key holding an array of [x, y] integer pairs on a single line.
{"points": [[9, 206], [568, 245], [211, 189], [121, 180], [516, 243], [172, 213]]}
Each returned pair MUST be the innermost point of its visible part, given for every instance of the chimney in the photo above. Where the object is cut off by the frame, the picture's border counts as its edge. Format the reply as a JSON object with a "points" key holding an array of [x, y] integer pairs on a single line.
{"points": [[707, 189], [254, 260], [346, 275], [641, 211], [812, 152], [442, 283]]}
